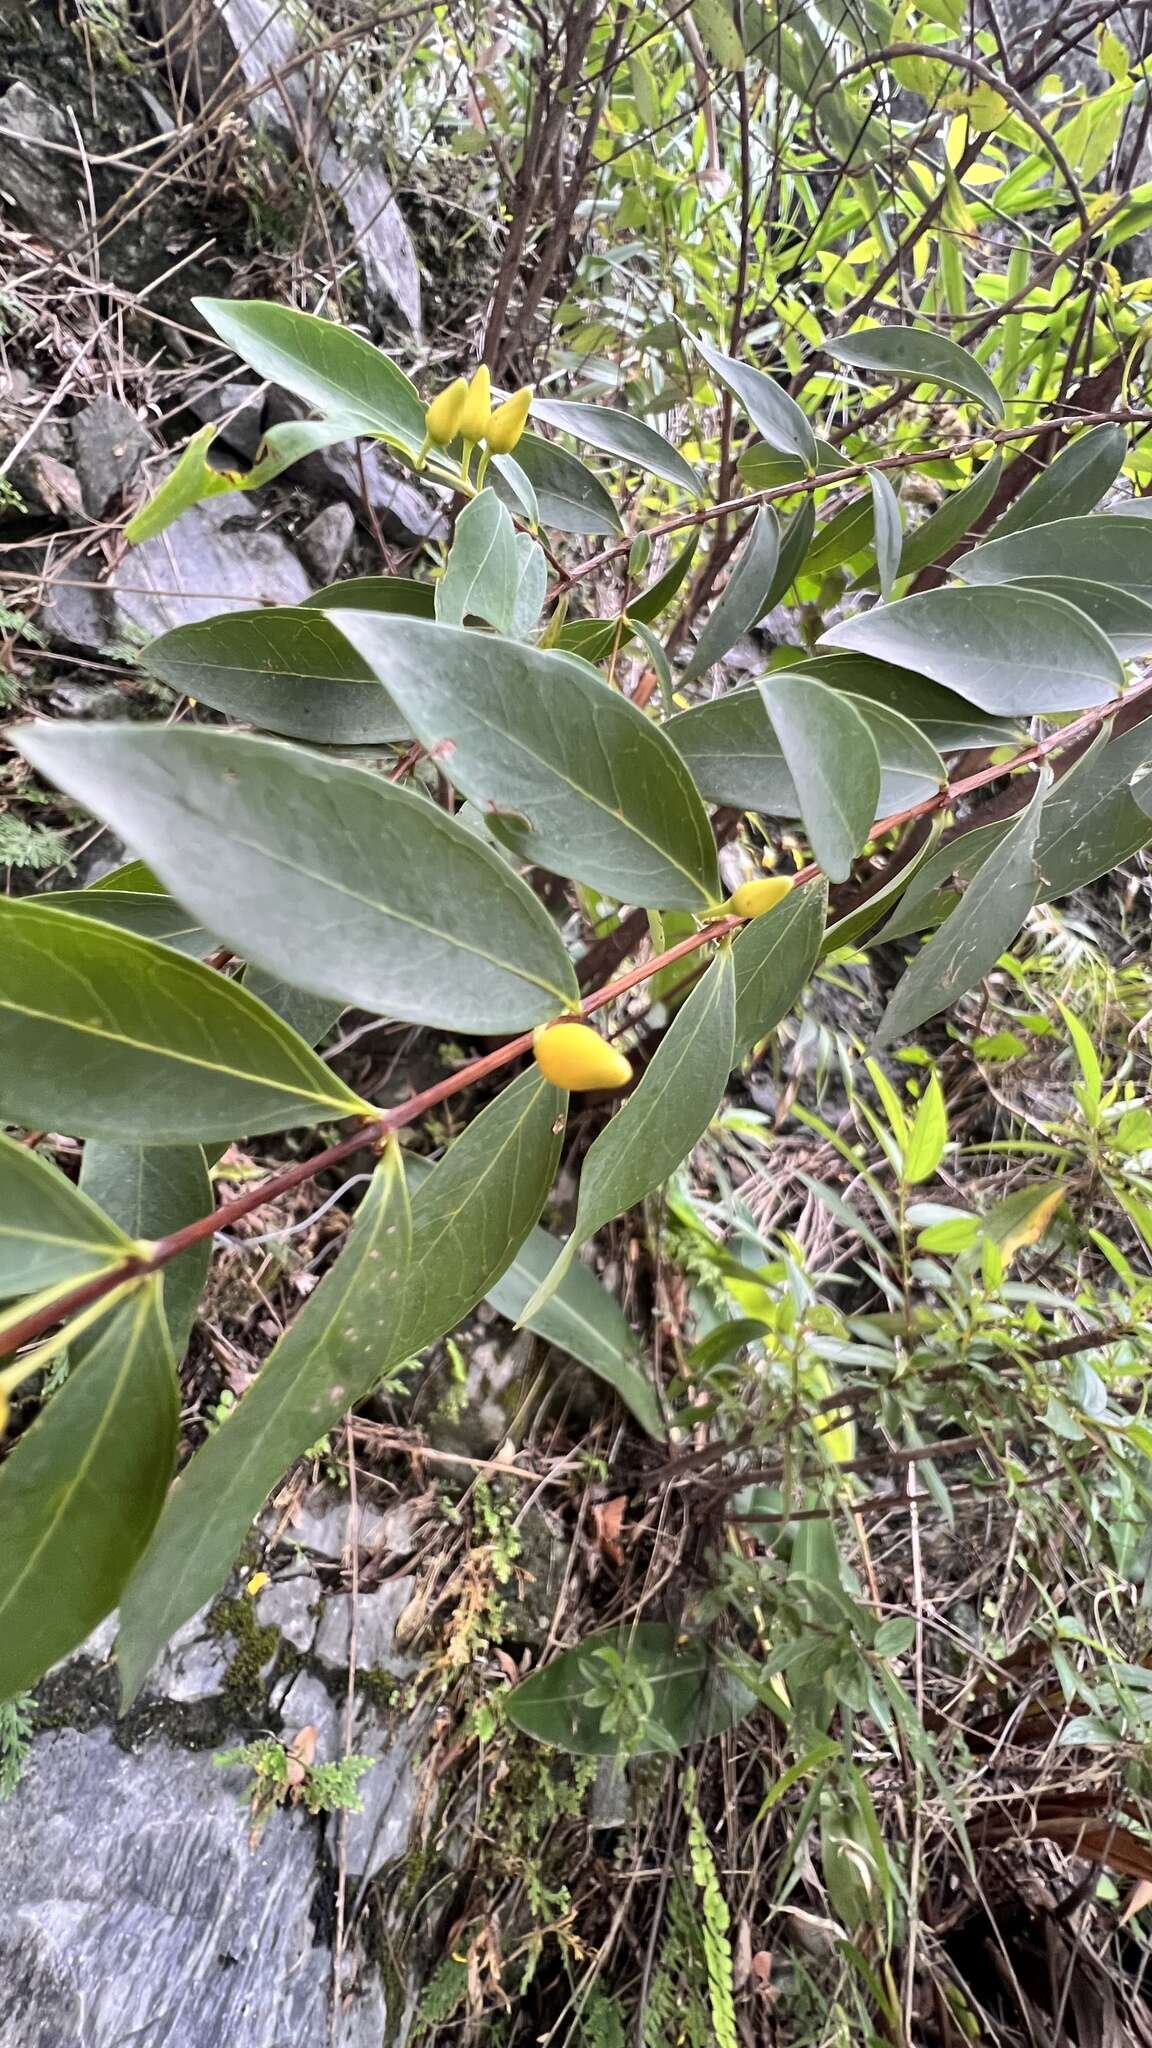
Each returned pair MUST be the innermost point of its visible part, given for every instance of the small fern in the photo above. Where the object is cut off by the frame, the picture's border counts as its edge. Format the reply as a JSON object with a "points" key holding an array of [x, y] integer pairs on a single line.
{"points": [[31, 846], [15, 1741], [717, 1946]]}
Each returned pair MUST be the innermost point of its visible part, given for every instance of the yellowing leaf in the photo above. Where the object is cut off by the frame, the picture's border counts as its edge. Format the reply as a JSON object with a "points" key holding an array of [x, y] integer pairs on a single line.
{"points": [[1022, 1220]]}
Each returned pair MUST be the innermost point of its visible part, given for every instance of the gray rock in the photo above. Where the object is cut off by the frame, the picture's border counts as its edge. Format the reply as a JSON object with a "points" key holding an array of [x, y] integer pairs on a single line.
{"points": [[48, 485], [307, 1703], [194, 1664], [37, 180], [223, 562], [326, 540], [381, 1833], [290, 1606], [133, 1910], [321, 1526], [376, 1617], [108, 446]]}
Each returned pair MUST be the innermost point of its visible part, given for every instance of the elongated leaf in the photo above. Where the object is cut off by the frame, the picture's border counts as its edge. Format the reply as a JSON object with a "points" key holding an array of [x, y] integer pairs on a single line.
{"points": [[794, 546], [943, 717], [1124, 620], [659, 595], [49, 1231], [571, 774], [736, 758], [928, 898], [569, 498], [152, 1190], [375, 594], [326, 365], [656, 1127], [969, 943], [636, 443], [286, 669], [952, 521], [194, 478], [81, 1491], [772, 412], [105, 1035], [482, 573], [1092, 820], [1073, 483], [404, 1277], [311, 1016], [720, 33], [745, 596], [583, 1319], [519, 494], [773, 958], [135, 875], [323, 874], [833, 761], [764, 468], [889, 532], [1116, 551], [847, 533], [694, 1695], [1004, 649], [919, 354], [895, 882], [928, 1136], [150, 914], [531, 586]]}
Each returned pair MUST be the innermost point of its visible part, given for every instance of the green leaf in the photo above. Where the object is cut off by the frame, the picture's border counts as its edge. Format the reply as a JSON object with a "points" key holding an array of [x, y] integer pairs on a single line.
{"points": [[894, 883], [1004, 649], [765, 469], [927, 900], [794, 546], [569, 498], [374, 594], [943, 717], [81, 1491], [1125, 620], [286, 668], [135, 875], [951, 522], [736, 758], [404, 1277], [929, 1135], [323, 874], [49, 1231], [848, 533], [659, 595], [531, 586], [745, 597], [657, 1125], [312, 1017], [518, 493], [773, 958], [969, 943], [833, 761], [1074, 482], [194, 478], [919, 354], [152, 1190], [720, 33], [104, 1035], [694, 1696], [1092, 820], [1096, 550], [326, 365], [617, 433], [482, 572], [584, 1320], [772, 412], [149, 914], [570, 773], [889, 532]]}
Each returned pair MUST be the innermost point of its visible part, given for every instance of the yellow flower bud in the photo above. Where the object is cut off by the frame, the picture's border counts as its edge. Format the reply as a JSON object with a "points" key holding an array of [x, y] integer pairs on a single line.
{"points": [[507, 422], [442, 423], [752, 899], [574, 1056], [476, 411]]}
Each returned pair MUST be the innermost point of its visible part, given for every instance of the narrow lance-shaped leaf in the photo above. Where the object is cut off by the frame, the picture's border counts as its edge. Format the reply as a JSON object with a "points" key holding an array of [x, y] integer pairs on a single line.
{"points": [[634, 441], [1097, 550], [969, 943], [323, 874], [107, 1036], [951, 521], [405, 1276], [152, 1190], [745, 596], [773, 958], [833, 761], [572, 774], [81, 1491], [889, 532], [373, 594], [328, 366], [772, 412], [531, 586], [194, 478], [286, 669], [1006, 650], [849, 532], [918, 353], [569, 498], [1092, 820], [667, 1112], [49, 1230], [482, 573], [943, 717], [736, 758], [1124, 619], [150, 914], [1073, 483]]}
